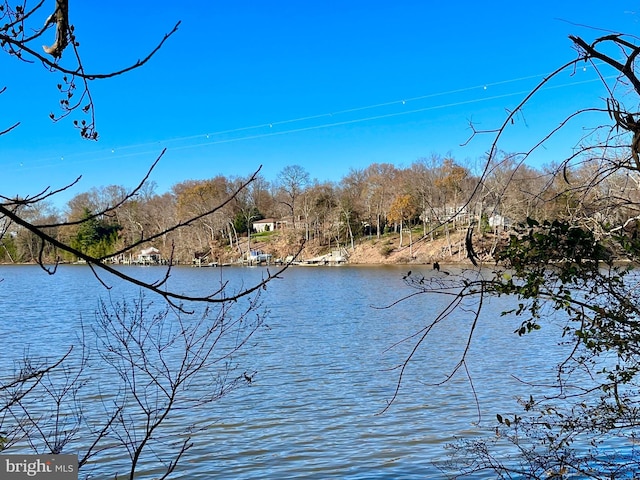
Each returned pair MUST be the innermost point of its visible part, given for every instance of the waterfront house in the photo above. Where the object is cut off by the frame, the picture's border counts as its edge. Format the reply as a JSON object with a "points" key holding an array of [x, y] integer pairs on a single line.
{"points": [[265, 225]]}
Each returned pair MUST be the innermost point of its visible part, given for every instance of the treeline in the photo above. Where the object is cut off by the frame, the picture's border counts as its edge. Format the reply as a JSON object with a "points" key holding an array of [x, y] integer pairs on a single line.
{"points": [[435, 194]]}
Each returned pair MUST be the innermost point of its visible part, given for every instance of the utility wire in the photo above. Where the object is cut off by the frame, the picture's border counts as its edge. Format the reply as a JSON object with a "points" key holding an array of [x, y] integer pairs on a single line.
{"points": [[209, 139]]}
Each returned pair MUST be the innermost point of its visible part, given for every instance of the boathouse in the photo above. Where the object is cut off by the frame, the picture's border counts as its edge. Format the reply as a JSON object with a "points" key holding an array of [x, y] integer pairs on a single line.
{"points": [[149, 256]]}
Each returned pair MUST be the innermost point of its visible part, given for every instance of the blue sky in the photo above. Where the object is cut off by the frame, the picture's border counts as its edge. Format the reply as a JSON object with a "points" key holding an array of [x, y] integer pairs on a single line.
{"points": [[328, 85]]}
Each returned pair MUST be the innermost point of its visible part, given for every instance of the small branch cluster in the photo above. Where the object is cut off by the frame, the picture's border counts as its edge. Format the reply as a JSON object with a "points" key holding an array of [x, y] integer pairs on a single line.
{"points": [[74, 88]]}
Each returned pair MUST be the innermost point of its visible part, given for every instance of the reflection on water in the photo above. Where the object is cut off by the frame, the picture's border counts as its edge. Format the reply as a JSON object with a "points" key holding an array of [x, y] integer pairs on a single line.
{"points": [[324, 371]]}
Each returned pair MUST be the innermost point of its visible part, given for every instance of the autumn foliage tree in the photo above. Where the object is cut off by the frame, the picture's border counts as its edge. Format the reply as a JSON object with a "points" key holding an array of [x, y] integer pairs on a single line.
{"points": [[401, 212]]}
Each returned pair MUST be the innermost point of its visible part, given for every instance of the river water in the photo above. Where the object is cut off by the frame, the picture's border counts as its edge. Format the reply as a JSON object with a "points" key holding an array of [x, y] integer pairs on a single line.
{"points": [[324, 372]]}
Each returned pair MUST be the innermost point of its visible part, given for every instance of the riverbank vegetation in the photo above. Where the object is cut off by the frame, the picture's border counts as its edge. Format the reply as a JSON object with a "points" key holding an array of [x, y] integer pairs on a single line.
{"points": [[435, 199]]}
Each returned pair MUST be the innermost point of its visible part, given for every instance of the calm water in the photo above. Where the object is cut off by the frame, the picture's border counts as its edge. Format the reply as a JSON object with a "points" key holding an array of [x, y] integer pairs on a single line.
{"points": [[324, 371]]}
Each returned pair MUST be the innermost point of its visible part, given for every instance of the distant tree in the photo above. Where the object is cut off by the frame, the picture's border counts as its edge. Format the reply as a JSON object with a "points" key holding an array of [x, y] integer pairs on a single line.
{"points": [[161, 213], [8, 250], [350, 195], [94, 236], [401, 212], [260, 195], [246, 210], [23, 246], [325, 210], [451, 182], [379, 177], [200, 198], [292, 181], [422, 185]]}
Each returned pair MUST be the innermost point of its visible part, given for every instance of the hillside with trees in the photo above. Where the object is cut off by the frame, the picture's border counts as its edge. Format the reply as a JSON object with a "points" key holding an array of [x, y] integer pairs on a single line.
{"points": [[420, 213]]}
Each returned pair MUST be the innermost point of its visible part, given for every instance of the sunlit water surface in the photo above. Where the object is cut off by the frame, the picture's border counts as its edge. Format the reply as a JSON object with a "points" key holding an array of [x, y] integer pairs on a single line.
{"points": [[325, 371]]}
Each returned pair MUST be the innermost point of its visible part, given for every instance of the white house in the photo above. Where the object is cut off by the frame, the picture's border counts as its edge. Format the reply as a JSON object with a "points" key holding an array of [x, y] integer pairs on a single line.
{"points": [[498, 221], [265, 225]]}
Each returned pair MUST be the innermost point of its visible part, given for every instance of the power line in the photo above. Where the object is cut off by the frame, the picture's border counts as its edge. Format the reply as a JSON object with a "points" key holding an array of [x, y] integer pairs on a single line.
{"points": [[209, 139], [338, 112]]}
